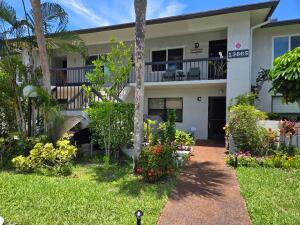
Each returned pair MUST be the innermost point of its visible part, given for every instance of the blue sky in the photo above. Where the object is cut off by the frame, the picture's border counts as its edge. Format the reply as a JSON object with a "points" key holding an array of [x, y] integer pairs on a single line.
{"points": [[95, 13]]}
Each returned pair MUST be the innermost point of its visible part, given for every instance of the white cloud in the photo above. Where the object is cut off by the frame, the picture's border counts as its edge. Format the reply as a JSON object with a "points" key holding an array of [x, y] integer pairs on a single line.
{"points": [[105, 12], [172, 9], [90, 17]]}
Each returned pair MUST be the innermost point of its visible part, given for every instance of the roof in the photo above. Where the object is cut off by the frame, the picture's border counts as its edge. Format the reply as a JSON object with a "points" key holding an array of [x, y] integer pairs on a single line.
{"points": [[282, 23], [269, 4]]}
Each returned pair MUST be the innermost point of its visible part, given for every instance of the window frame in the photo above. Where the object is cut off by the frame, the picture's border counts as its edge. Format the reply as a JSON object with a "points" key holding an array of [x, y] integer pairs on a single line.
{"points": [[280, 36], [272, 106], [165, 109], [98, 56], [167, 54]]}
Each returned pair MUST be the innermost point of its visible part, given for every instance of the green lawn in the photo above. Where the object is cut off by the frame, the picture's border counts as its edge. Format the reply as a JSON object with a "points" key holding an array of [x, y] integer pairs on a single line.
{"points": [[93, 195], [272, 195]]}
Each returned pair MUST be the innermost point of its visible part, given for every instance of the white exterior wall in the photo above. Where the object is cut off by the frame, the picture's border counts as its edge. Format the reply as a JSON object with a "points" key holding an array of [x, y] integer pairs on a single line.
{"points": [[262, 57], [195, 113], [238, 69]]}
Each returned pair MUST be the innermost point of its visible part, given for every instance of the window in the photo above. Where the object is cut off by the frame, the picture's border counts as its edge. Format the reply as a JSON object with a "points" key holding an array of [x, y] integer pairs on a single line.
{"points": [[279, 107], [89, 60], [160, 107], [284, 44], [295, 42], [167, 55], [159, 56]]}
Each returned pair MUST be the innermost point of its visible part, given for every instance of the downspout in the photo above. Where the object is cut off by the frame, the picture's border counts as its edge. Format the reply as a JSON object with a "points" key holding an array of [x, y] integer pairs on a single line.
{"points": [[251, 44]]}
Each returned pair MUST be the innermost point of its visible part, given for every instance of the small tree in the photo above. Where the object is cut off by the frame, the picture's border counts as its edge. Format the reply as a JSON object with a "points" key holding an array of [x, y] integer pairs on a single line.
{"points": [[111, 71], [285, 76]]}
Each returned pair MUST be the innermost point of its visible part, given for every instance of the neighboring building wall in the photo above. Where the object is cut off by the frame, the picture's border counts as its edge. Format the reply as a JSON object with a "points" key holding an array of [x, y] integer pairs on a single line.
{"points": [[195, 113], [262, 57]]}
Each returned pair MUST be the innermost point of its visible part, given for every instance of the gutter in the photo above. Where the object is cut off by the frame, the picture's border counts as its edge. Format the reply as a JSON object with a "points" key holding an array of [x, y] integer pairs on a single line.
{"points": [[251, 44]]}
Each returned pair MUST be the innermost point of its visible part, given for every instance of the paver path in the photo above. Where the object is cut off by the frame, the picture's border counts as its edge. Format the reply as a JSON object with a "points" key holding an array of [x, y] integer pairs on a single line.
{"points": [[207, 193]]}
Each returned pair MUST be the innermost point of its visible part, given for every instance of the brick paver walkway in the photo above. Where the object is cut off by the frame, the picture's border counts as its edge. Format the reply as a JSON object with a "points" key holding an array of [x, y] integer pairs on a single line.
{"points": [[207, 193]]}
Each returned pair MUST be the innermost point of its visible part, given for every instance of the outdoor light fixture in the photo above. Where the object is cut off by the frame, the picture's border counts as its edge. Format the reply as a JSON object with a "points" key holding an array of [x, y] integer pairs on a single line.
{"points": [[138, 214]]}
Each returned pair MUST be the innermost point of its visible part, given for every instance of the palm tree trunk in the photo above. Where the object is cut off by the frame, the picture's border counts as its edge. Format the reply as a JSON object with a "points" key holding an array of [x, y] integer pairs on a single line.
{"points": [[140, 27], [38, 25]]}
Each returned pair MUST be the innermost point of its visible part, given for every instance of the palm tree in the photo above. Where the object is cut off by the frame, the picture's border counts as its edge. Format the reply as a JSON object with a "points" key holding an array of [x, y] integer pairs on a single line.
{"points": [[140, 27], [40, 36], [19, 35]]}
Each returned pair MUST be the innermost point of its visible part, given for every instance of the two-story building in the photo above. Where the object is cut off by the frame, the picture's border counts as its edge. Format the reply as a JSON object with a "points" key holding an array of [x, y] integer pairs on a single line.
{"points": [[195, 63]]}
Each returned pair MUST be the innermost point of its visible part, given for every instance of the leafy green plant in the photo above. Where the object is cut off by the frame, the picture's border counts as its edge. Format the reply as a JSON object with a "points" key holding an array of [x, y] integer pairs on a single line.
{"points": [[149, 136], [183, 138], [285, 76], [246, 132], [111, 124], [14, 145], [244, 99], [47, 158], [157, 162], [167, 130], [111, 72]]}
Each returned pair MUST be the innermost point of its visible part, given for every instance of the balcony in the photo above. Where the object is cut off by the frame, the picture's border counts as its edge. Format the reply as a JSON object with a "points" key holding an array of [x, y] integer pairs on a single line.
{"points": [[168, 71]]}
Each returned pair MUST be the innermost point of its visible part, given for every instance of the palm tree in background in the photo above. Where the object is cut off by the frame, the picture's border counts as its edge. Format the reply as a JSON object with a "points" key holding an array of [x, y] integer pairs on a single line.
{"points": [[54, 20], [140, 7]]}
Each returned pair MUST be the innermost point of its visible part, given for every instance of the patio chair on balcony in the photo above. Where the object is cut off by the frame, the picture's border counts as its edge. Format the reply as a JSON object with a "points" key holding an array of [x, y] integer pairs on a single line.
{"points": [[194, 73], [169, 75]]}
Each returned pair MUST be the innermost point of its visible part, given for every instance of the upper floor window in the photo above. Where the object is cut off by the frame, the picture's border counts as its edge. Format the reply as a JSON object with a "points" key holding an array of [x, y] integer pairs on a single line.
{"points": [[284, 44], [89, 60], [167, 55]]}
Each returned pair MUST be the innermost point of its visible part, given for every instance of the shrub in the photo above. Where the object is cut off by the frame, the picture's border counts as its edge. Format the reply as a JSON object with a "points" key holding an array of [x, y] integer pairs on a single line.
{"points": [[279, 160], [46, 158], [247, 134], [157, 162], [14, 145], [167, 130], [183, 138], [111, 125]]}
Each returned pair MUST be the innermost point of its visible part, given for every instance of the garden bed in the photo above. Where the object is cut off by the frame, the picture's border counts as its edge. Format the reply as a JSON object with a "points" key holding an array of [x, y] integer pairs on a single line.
{"points": [[92, 195]]}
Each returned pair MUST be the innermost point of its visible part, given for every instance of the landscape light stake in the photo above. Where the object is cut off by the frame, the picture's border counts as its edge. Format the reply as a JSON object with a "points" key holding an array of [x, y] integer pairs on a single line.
{"points": [[235, 162], [138, 214]]}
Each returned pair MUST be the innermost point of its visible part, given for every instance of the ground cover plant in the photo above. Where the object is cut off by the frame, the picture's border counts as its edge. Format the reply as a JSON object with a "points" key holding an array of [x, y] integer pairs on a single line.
{"points": [[272, 195], [94, 194]]}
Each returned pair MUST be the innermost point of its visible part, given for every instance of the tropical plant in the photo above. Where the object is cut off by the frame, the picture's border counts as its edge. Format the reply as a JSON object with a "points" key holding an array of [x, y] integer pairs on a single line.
{"points": [[183, 138], [263, 76], [47, 158], [157, 162], [285, 76], [111, 72], [247, 133], [12, 106], [140, 7], [111, 124]]}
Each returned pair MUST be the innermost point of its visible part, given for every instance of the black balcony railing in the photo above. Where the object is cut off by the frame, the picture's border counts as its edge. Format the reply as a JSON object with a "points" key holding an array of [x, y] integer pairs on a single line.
{"points": [[184, 70], [179, 70], [68, 82]]}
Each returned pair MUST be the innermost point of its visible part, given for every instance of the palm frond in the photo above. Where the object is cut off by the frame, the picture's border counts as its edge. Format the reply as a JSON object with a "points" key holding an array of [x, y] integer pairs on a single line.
{"points": [[66, 42], [55, 18], [7, 13]]}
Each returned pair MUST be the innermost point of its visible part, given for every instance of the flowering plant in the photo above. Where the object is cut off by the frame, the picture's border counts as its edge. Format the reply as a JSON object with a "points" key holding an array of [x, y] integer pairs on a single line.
{"points": [[157, 161]]}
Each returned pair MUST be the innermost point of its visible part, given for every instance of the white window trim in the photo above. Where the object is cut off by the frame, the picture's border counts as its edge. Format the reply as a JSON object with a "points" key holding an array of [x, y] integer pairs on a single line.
{"points": [[289, 47], [167, 54]]}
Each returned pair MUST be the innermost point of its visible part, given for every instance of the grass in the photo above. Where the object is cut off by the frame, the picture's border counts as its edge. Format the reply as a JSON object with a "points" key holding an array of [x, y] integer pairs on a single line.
{"points": [[93, 195], [272, 195]]}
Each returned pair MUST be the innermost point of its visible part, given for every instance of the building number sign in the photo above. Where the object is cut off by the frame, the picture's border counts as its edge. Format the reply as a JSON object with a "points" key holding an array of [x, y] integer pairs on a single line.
{"points": [[238, 53]]}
